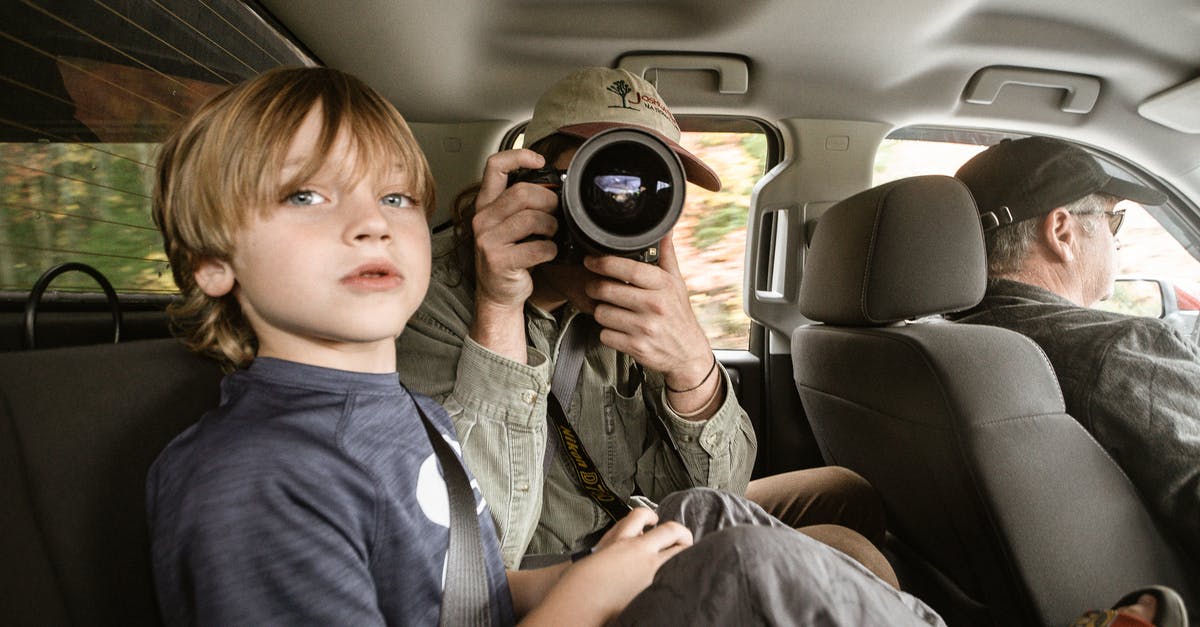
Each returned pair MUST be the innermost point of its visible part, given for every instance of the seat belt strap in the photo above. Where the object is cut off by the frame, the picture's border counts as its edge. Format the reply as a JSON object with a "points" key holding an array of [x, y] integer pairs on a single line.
{"points": [[568, 363], [465, 598]]}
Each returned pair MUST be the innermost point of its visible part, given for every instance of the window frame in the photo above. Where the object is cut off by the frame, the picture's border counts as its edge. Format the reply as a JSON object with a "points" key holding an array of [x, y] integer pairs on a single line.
{"points": [[713, 123], [1178, 216], [85, 300]]}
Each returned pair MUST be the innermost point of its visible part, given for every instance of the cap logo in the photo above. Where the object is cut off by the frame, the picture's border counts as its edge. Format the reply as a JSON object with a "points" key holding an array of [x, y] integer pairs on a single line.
{"points": [[622, 89]]}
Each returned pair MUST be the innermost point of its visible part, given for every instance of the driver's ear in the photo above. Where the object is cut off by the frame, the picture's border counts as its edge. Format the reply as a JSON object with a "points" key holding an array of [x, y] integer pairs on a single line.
{"points": [[1058, 235], [214, 276]]}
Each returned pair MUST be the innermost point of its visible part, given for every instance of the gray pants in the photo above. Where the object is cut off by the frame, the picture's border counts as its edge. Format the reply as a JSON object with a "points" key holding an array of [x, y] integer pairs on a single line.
{"points": [[747, 568]]}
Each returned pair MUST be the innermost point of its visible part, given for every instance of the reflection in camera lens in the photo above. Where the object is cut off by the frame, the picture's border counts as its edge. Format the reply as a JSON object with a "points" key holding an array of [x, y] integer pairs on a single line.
{"points": [[619, 186], [626, 189]]}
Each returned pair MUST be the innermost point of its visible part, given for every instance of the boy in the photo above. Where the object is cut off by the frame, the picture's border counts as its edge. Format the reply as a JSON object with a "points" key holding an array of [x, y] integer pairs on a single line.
{"points": [[293, 210]]}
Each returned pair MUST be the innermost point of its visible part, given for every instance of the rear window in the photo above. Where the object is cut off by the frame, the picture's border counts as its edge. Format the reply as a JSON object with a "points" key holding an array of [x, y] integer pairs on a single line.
{"points": [[1159, 277], [90, 90], [710, 237]]}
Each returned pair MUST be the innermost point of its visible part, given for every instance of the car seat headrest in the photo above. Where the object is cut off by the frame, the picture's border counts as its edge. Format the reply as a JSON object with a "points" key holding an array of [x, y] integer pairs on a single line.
{"points": [[902, 250]]}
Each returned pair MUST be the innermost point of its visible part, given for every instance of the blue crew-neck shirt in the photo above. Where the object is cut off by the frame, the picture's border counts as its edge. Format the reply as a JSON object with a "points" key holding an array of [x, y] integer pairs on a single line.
{"points": [[309, 496]]}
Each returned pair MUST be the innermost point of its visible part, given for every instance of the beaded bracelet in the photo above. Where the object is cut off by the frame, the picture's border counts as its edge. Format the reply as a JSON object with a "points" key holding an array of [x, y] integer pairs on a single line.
{"points": [[711, 370]]}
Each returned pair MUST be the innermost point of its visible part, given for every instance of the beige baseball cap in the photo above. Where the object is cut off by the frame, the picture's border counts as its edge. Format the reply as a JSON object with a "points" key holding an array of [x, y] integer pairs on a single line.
{"points": [[596, 99]]}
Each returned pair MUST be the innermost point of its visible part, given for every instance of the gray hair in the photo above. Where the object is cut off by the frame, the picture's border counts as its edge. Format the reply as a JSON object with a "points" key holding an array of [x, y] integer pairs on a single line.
{"points": [[1009, 246]]}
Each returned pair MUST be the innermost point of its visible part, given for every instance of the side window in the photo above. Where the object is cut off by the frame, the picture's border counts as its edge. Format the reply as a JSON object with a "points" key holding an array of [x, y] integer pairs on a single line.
{"points": [[90, 90], [900, 158], [1157, 277], [710, 237]]}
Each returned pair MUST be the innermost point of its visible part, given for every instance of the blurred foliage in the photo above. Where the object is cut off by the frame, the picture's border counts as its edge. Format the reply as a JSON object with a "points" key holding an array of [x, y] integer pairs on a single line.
{"points": [[90, 203], [717, 222], [1135, 297], [740, 160], [710, 237]]}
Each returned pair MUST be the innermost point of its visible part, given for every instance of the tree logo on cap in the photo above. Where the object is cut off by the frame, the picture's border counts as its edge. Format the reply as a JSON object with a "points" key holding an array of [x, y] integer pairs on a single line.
{"points": [[622, 89]]}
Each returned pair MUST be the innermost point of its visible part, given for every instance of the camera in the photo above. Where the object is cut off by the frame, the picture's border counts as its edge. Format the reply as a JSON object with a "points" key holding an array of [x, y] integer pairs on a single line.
{"points": [[622, 193]]}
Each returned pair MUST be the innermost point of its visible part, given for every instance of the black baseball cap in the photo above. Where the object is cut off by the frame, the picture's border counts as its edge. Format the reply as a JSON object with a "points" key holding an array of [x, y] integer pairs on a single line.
{"points": [[1020, 179]]}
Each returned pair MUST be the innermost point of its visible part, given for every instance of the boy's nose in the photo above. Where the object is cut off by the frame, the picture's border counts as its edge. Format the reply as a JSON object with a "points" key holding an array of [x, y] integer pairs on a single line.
{"points": [[366, 221]]}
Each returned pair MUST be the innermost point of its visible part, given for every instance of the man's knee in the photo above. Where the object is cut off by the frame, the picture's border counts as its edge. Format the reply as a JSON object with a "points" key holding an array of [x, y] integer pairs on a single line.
{"points": [[813, 484], [857, 547], [842, 480], [826, 495]]}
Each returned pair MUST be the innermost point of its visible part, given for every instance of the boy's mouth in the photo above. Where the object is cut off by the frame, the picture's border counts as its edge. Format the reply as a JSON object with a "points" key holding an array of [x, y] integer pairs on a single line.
{"points": [[373, 276]]}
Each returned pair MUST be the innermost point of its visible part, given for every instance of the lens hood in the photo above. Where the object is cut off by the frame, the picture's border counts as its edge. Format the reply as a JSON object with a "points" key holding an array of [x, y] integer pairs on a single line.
{"points": [[623, 192]]}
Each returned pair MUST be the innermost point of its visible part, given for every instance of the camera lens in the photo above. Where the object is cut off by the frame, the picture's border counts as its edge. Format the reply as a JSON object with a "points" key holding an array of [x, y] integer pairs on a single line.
{"points": [[622, 193], [626, 188]]}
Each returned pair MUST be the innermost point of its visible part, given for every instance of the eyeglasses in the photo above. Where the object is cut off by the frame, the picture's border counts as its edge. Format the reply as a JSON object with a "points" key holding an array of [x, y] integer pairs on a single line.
{"points": [[1115, 218]]}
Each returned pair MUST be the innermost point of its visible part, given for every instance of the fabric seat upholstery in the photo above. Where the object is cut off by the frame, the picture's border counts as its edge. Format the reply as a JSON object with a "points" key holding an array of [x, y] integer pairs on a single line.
{"points": [[987, 482], [79, 428]]}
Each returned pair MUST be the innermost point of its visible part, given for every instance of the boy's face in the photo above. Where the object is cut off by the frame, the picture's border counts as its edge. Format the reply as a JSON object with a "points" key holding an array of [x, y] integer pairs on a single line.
{"points": [[332, 272]]}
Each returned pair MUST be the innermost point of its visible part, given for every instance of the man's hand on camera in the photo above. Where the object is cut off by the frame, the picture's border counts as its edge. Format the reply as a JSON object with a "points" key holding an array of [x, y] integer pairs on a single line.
{"points": [[504, 218], [645, 312]]}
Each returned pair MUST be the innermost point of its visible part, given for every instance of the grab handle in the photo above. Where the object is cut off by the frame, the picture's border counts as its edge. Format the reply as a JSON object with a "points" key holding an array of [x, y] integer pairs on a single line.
{"points": [[35, 298]]}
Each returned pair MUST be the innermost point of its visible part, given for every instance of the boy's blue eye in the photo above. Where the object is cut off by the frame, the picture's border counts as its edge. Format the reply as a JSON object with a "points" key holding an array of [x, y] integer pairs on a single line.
{"points": [[397, 200], [305, 197]]}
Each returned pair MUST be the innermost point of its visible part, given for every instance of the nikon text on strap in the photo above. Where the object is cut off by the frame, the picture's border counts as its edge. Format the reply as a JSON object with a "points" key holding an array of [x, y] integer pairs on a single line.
{"points": [[566, 375], [586, 472]]}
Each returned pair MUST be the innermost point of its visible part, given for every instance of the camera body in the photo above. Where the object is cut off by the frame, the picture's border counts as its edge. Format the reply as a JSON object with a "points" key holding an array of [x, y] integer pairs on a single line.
{"points": [[622, 193]]}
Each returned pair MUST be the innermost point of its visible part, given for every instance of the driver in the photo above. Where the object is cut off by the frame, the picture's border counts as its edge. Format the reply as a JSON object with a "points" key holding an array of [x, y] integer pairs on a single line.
{"points": [[1132, 382]]}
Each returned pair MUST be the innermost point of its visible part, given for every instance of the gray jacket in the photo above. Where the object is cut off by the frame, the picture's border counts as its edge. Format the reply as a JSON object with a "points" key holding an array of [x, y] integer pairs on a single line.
{"points": [[1134, 384]]}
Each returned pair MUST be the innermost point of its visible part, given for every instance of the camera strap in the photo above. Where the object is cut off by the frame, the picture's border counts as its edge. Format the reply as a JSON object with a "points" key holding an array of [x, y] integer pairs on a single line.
{"points": [[466, 599], [567, 366]]}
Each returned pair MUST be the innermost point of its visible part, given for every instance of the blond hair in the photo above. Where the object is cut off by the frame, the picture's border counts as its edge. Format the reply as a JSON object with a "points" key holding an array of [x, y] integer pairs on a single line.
{"points": [[223, 163]]}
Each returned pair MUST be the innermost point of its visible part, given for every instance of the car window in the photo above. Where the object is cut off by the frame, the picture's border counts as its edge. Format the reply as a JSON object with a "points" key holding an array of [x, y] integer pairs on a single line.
{"points": [[710, 237], [900, 158], [88, 95], [1157, 275]]}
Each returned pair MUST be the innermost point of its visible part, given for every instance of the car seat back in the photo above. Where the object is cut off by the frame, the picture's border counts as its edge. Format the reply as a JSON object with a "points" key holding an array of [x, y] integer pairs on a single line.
{"points": [[1006, 499], [79, 428]]}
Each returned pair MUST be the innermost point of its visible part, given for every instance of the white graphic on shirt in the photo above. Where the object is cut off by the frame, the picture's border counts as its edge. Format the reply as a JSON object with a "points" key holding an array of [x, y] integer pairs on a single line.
{"points": [[434, 498], [431, 489], [431, 493]]}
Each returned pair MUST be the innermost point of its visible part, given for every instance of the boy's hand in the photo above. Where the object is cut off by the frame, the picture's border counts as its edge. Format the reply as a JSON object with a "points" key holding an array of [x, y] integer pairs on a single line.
{"points": [[646, 313], [626, 558], [504, 217], [638, 521]]}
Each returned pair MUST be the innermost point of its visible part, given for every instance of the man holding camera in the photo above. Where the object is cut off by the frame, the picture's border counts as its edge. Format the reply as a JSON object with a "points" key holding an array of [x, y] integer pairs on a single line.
{"points": [[579, 387]]}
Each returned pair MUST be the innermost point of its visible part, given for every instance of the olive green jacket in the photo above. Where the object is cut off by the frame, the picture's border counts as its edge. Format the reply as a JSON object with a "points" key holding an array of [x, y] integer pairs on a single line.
{"points": [[499, 409]]}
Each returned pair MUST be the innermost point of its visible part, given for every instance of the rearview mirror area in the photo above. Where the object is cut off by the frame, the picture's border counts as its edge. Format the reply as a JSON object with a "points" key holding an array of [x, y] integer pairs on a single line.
{"points": [[1135, 297], [1176, 304]]}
